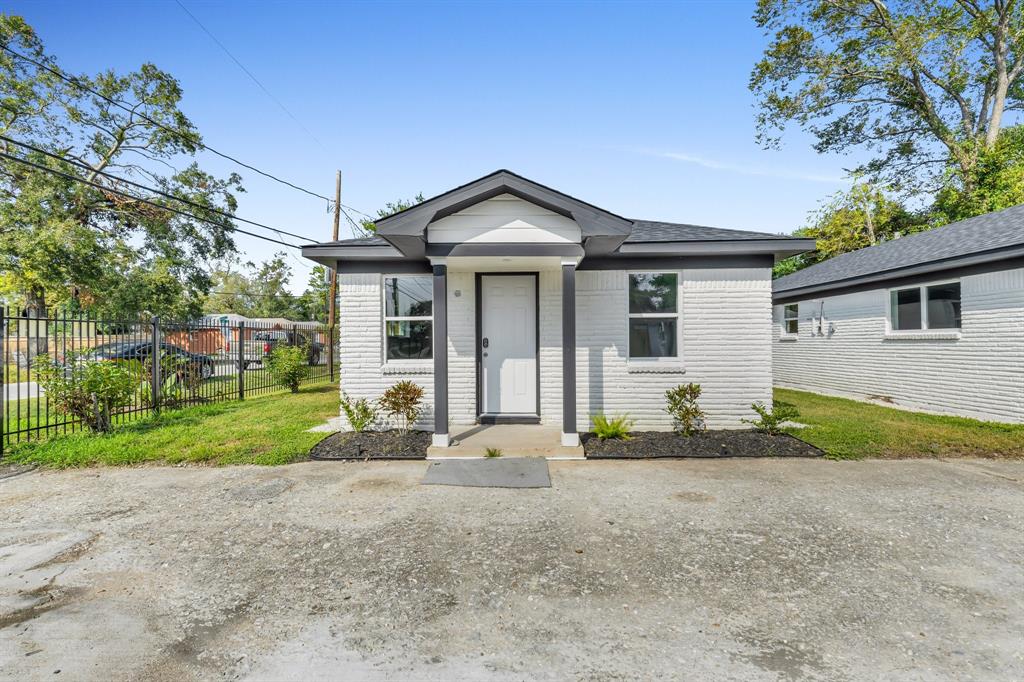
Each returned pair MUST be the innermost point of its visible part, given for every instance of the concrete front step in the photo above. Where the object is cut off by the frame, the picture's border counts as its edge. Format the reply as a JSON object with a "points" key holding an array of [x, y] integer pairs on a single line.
{"points": [[513, 440]]}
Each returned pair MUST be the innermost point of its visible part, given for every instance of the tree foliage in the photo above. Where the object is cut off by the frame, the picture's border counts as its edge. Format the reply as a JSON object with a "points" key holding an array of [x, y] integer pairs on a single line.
{"points": [[850, 220], [261, 290], [924, 87], [390, 207], [62, 240]]}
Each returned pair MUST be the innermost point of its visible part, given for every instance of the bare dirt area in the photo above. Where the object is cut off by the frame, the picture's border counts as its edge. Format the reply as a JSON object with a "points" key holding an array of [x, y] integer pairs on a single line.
{"points": [[697, 569]]}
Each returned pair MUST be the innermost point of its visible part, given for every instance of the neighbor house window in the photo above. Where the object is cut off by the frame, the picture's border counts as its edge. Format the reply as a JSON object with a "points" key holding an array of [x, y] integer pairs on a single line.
{"points": [[653, 315], [935, 306], [790, 318], [408, 317]]}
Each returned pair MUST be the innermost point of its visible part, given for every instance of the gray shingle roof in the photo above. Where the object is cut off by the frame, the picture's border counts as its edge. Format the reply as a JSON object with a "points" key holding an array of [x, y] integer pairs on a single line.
{"points": [[358, 241], [657, 231], [992, 231], [643, 231]]}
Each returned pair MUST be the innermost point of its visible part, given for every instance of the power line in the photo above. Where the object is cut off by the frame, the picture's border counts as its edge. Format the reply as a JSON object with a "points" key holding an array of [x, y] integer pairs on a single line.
{"points": [[249, 73], [168, 195], [191, 140], [127, 195]]}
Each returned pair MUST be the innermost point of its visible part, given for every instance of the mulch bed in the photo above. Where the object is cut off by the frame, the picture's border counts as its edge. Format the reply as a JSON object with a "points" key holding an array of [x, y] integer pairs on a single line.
{"points": [[373, 445], [658, 444]]}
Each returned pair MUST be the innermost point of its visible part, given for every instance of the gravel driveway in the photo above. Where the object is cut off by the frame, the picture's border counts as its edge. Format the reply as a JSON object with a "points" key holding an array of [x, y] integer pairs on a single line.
{"points": [[727, 569]]}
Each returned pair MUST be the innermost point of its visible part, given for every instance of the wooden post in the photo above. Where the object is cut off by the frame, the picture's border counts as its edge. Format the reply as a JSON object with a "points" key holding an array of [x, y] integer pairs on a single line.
{"points": [[333, 289]]}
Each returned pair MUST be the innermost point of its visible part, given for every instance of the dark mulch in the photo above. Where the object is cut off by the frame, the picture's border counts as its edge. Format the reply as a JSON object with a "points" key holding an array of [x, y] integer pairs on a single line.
{"points": [[373, 445], [655, 444]]}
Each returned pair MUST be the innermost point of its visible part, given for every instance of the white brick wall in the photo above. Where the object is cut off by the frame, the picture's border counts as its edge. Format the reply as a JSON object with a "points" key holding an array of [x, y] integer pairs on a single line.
{"points": [[979, 375], [726, 347], [726, 343]]}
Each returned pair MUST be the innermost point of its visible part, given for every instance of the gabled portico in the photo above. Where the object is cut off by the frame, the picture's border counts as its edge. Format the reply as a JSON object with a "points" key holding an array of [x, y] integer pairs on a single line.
{"points": [[506, 231]]}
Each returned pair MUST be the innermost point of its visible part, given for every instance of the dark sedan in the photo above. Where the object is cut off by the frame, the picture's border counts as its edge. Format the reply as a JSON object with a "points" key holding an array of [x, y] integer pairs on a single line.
{"points": [[141, 350]]}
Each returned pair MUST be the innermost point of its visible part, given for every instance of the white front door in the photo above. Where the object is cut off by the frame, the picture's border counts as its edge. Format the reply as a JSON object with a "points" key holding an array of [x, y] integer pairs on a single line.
{"points": [[508, 339]]}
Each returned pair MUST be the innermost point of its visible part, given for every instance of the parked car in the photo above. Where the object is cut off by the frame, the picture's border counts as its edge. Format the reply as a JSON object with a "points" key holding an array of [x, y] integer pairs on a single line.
{"points": [[141, 350], [264, 342]]}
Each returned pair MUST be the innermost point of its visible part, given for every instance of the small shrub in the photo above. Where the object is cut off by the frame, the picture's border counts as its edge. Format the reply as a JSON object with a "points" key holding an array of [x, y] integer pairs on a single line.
{"points": [[492, 452], [687, 417], [180, 380], [86, 388], [361, 414], [287, 366], [771, 422], [605, 428], [402, 401]]}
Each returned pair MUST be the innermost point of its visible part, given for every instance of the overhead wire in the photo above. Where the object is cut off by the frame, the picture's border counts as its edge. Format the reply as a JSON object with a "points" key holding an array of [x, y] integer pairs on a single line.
{"points": [[143, 200], [191, 139], [117, 178]]}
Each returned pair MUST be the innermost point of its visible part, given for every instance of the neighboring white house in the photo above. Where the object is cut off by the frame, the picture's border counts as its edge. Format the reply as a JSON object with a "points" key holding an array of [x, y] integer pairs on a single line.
{"points": [[932, 321], [512, 302]]}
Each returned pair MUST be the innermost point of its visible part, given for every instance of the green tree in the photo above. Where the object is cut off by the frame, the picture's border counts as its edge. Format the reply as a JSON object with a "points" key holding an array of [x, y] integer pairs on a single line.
{"points": [[390, 207], [313, 301], [65, 241], [849, 220], [921, 86], [262, 290], [997, 181]]}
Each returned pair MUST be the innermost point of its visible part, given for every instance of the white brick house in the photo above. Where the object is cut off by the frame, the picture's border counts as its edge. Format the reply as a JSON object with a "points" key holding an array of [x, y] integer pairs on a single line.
{"points": [[933, 321], [509, 301]]}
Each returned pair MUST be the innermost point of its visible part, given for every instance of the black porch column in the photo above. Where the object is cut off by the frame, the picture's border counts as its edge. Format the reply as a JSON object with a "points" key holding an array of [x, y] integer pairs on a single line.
{"points": [[569, 436], [440, 305]]}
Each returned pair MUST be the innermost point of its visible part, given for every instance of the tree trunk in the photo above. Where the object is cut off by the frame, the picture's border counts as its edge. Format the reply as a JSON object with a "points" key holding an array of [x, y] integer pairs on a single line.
{"points": [[34, 329]]}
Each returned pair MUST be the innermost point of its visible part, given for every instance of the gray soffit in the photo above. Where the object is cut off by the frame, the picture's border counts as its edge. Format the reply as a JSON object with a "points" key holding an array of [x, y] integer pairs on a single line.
{"points": [[989, 237], [503, 249]]}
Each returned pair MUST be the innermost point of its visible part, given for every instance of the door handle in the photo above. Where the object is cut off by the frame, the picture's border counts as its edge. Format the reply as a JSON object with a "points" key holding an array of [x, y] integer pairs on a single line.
{"points": [[485, 342]]}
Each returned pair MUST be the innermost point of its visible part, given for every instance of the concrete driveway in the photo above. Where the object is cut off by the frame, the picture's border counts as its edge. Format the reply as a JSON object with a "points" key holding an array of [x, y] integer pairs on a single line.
{"points": [[732, 569]]}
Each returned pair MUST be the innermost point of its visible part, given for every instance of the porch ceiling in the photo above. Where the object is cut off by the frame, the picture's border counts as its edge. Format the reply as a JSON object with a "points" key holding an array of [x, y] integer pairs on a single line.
{"points": [[503, 263]]}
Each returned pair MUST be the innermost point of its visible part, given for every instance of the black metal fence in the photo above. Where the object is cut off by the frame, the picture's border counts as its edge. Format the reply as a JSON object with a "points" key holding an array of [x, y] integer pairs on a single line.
{"points": [[197, 363]]}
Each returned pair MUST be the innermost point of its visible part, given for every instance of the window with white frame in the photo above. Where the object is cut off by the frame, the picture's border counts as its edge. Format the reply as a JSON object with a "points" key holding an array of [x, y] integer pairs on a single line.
{"points": [[931, 306], [408, 317], [791, 319], [653, 315]]}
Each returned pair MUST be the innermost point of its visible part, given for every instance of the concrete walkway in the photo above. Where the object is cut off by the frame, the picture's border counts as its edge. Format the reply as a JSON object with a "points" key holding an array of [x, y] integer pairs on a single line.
{"points": [[514, 440]]}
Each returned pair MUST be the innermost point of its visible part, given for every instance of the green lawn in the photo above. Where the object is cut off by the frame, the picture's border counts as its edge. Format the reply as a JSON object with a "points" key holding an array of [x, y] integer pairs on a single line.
{"points": [[266, 430], [849, 429]]}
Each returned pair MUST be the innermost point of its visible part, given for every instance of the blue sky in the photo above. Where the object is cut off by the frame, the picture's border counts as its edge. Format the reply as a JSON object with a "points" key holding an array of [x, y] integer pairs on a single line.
{"points": [[642, 109]]}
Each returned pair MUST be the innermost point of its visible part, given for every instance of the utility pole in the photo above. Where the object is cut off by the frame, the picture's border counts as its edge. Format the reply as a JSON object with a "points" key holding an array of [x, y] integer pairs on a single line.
{"points": [[333, 289], [334, 273]]}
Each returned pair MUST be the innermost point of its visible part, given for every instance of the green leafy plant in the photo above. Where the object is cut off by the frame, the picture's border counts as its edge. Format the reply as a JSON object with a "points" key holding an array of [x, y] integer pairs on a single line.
{"points": [[361, 413], [288, 366], [86, 388], [492, 452], [180, 380], [687, 417], [771, 421], [402, 401], [618, 427]]}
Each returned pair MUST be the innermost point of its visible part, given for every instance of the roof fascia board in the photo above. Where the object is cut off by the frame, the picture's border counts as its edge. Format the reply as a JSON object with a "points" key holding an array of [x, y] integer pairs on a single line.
{"points": [[788, 247], [764, 260], [476, 249]]}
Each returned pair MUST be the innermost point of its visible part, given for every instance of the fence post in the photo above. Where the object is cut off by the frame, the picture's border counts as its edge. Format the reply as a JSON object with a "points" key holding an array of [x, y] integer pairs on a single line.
{"points": [[3, 377], [155, 359], [241, 359]]}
